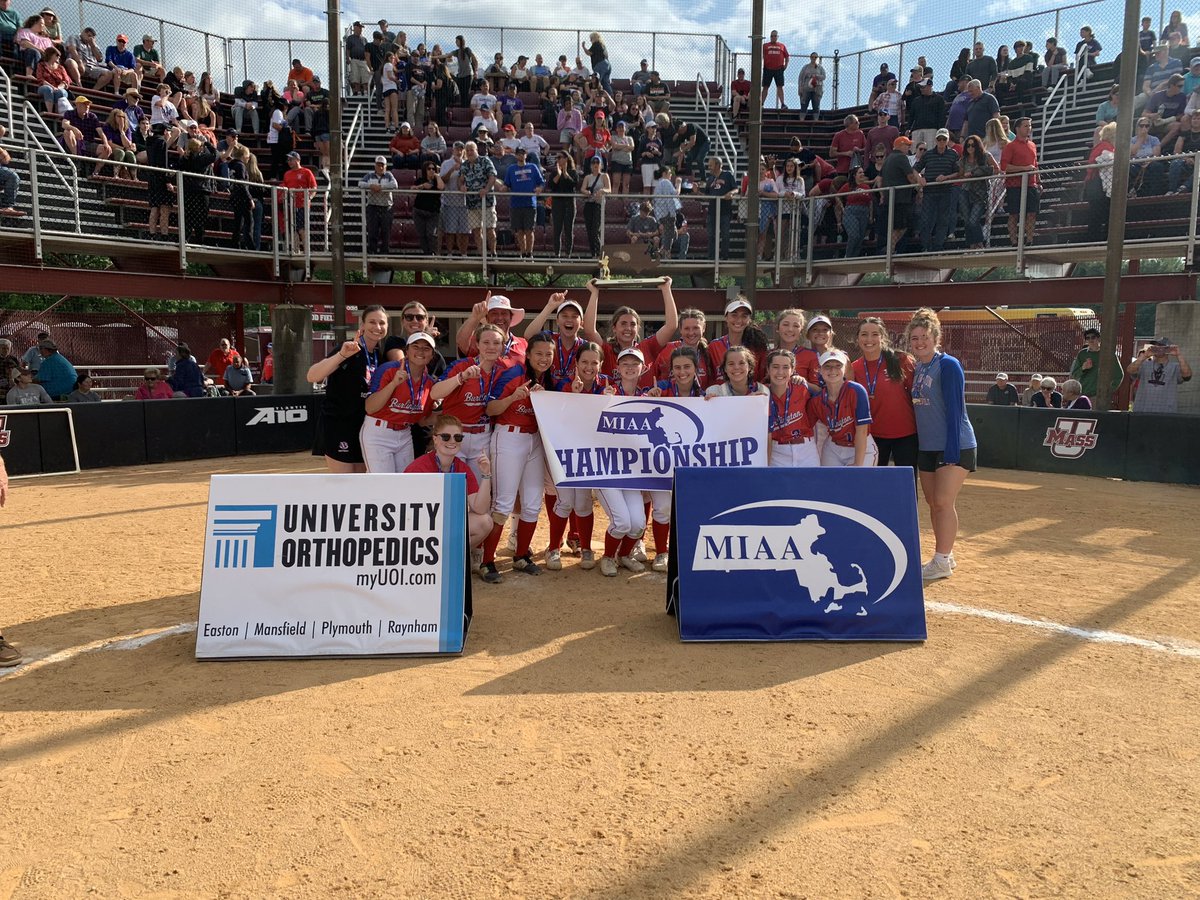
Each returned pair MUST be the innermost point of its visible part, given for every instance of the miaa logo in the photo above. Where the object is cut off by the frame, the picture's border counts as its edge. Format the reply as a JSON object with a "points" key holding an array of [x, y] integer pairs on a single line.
{"points": [[662, 422]]}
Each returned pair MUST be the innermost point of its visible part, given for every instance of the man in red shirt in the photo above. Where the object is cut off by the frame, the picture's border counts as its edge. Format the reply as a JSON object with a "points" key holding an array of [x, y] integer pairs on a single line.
{"points": [[302, 182], [846, 143], [219, 360], [740, 87], [1020, 155], [775, 60]]}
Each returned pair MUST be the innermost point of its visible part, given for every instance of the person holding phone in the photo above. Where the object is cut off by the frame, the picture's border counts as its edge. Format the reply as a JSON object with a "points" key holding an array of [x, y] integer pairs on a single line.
{"points": [[1159, 370]]}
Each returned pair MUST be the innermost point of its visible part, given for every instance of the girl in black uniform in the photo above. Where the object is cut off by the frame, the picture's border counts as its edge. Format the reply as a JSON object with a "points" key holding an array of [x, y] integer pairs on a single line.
{"points": [[347, 376]]}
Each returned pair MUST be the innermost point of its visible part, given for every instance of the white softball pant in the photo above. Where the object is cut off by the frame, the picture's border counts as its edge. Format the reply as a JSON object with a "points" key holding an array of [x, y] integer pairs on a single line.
{"points": [[573, 500], [661, 501], [625, 510], [837, 455], [475, 445], [385, 449], [795, 456], [518, 467]]}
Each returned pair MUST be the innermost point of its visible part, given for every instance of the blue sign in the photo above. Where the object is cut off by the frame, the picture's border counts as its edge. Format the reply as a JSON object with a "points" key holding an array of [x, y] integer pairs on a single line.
{"points": [[796, 554]]}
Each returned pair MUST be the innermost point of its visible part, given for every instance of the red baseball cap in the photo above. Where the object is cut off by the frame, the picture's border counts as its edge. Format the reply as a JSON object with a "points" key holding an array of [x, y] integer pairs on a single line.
{"points": [[121, 39]]}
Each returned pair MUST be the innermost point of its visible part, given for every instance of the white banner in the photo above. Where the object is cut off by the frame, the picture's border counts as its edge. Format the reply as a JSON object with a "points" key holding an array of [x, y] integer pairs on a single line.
{"points": [[635, 443], [333, 565]]}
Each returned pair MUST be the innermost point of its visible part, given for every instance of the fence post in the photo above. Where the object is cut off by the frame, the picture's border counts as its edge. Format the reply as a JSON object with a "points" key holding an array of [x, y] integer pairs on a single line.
{"points": [[181, 221], [308, 235], [837, 63], [1021, 225], [35, 204], [891, 218], [363, 199], [1057, 14], [207, 55], [274, 229], [778, 237], [1192, 217], [858, 81], [714, 237], [653, 50], [603, 221]]}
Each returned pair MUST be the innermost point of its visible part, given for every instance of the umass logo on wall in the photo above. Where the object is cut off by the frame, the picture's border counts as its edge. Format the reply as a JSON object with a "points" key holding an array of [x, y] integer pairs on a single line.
{"points": [[1070, 438]]}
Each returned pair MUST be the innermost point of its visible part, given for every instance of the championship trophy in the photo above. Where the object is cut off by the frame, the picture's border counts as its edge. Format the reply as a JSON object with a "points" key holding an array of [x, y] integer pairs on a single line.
{"points": [[629, 259]]}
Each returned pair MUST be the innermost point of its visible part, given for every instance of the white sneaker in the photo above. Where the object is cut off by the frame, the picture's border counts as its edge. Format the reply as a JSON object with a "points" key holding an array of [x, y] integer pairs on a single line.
{"points": [[660, 562], [631, 564], [934, 570], [639, 552], [553, 560], [587, 559], [608, 567], [953, 561]]}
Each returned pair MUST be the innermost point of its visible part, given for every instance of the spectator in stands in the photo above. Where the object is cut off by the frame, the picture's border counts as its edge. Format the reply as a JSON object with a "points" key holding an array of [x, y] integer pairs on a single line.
{"points": [[958, 69], [154, 386], [32, 357], [884, 131], [719, 183], [301, 74], [1156, 77], [433, 145], [467, 67], [739, 90], [620, 165], [356, 54], [980, 109], [1179, 178], [279, 140], [379, 184], [122, 66], [24, 392], [928, 114], [939, 207], [31, 42], [1019, 74], [55, 374], [911, 91], [1147, 173], [1097, 183], [890, 104], [1073, 396], [148, 61], [241, 196], [1159, 369], [196, 164], [405, 148], [483, 98], [1175, 24], [643, 228], [849, 146], [496, 75], [87, 137], [976, 163], [8, 362], [658, 95], [1019, 156], [85, 59], [83, 392], [188, 380], [159, 189], [53, 81], [519, 74], [1108, 110], [219, 360], [299, 111], [427, 206], [639, 79], [562, 71], [1085, 370], [897, 172], [245, 100], [302, 184], [320, 131], [811, 85], [775, 63], [1165, 110], [1002, 393], [511, 107], [570, 123], [1054, 63], [1035, 384], [478, 182], [595, 186], [238, 377], [691, 147], [377, 56], [120, 137], [1047, 395], [268, 366], [601, 67], [564, 187], [10, 24], [539, 74], [454, 205], [1147, 41], [982, 68], [857, 202], [667, 206]]}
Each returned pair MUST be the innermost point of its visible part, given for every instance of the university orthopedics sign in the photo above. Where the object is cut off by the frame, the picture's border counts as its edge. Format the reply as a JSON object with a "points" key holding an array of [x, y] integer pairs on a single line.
{"points": [[332, 565]]}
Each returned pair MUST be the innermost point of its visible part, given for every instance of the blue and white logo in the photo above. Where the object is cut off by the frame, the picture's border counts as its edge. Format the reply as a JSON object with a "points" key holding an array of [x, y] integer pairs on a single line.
{"points": [[831, 568], [243, 536], [661, 422]]}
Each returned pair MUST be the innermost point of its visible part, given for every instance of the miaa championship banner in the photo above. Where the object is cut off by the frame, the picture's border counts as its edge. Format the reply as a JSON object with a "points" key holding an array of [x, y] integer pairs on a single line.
{"points": [[637, 443], [796, 554], [334, 565]]}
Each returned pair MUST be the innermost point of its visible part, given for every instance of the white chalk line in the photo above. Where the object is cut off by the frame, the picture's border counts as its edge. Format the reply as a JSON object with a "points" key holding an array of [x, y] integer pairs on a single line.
{"points": [[1099, 637], [126, 642]]}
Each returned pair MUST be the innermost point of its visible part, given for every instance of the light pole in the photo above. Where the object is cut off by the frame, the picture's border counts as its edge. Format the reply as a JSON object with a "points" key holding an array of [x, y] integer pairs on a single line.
{"points": [[337, 248], [756, 105]]}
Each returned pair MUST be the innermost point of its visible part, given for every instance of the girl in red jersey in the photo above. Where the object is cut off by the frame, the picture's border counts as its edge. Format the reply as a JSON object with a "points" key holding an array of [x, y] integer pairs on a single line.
{"points": [[401, 397], [577, 502], [888, 378], [573, 333], [737, 375], [820, 334], [445, 457], [465, 388], [517, 456], [685, 375], [691, 330], [789, 329], [626, 510], [624, 328], [793, 442], [738, 314], [845, 410]]}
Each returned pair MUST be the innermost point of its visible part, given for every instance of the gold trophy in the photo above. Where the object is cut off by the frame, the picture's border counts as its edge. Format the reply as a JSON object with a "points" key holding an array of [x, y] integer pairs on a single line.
{"points": [[633, 258]]}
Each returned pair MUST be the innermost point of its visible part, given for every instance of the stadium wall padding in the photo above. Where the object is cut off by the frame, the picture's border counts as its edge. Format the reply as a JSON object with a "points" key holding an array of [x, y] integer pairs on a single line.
{"points": [[996, 433], [135, 432], [1105, 460]]}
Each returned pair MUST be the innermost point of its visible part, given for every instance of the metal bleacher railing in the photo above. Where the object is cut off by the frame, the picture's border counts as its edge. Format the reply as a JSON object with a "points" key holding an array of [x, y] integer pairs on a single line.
{"points": [[808, 246]]}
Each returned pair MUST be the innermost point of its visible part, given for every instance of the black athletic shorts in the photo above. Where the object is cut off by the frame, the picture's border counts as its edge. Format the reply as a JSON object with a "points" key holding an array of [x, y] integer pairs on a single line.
{"points": [[931, 460], [337, 438], [1012, 201], [775, 75], [522, 218]]}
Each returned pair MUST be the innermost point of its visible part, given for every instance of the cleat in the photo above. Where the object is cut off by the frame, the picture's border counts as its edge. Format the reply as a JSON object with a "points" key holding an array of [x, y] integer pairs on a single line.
{"points": [[608, 567], [935, 570], [587, 560], [639, 551], [11, 656], [527, 565], [631, 564], [490, 574], [660, 562], [553, 561]]}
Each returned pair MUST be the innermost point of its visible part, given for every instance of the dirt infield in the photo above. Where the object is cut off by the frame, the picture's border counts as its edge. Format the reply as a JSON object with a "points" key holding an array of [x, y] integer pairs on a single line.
{"points": [[578, 749]]}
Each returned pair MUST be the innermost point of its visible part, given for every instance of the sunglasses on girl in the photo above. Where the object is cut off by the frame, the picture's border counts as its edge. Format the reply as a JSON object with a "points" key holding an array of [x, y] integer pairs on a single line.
{"points": [[457, 438], [414, 317]]}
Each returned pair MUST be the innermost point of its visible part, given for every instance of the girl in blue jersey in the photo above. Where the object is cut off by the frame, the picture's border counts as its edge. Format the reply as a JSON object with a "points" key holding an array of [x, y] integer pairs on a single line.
{"points": [[946, 441]]}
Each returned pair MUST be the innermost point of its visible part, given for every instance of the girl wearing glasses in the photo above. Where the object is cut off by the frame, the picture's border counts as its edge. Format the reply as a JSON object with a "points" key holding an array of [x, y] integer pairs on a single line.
{"points": [[401, 397], [347, 375], [445, 459]]}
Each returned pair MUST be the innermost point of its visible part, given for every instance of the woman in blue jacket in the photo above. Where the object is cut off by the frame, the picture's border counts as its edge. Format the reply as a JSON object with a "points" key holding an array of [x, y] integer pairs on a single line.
{"points": [[945, 438]]}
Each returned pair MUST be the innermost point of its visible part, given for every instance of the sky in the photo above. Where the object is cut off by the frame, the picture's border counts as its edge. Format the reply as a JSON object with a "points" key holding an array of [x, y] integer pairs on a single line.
{"points": [[843, 26]]}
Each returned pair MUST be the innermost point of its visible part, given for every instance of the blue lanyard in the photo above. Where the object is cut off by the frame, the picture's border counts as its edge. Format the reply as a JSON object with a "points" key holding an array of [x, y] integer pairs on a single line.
{"points": [[371, 358], [567, 361], [415, 393], [836, 409], [871, 382], [778, 419]]}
